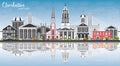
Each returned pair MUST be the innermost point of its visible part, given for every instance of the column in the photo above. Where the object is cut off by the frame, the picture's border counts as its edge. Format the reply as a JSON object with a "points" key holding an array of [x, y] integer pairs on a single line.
{"points": [[19, 34], [31, 33], [35, 33], [63, 34], [67, 35], [27, 34], [23, 34], [84, 35]]}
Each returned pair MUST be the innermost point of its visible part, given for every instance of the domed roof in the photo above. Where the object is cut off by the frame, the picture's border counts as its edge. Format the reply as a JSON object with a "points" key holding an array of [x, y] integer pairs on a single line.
{"points": [[83, 15], [17, 19]]}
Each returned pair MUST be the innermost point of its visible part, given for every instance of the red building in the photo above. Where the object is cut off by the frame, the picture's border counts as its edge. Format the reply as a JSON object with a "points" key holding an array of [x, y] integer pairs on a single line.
{"points": [[100, 35]]}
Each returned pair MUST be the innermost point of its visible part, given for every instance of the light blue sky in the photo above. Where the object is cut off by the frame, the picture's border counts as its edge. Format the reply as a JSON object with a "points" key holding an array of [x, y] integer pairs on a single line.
{"points": [[105, 12]]}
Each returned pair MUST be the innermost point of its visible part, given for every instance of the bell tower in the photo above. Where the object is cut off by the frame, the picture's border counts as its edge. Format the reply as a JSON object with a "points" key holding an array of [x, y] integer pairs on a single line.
{"points": [[65, 17]]}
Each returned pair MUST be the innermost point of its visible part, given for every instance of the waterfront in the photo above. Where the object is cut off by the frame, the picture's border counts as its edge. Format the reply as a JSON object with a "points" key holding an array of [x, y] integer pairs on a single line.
{"points": [[60, 54]]}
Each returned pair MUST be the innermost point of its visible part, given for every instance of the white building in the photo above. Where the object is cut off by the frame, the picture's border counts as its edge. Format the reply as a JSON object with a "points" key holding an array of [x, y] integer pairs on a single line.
{"points": [[16, 23], [28, 31], [66, 32], [82, 29]]}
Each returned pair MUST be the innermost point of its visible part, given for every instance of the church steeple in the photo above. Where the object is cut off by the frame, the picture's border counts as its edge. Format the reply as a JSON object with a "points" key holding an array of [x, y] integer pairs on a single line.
{"points": [[53, 13], [53, 19]]}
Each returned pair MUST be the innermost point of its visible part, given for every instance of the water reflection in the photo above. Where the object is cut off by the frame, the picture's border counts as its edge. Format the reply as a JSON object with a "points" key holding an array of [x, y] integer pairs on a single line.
{"points": [[84, 49]]}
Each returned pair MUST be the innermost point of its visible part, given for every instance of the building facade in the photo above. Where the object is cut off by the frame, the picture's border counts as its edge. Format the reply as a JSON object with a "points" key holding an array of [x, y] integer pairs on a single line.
{"points": [[53, 33], [41, 31], [9, 33], [66, 32], [16, 23], [65, 18], [82, 29], [113, 30], [28, 31], [102, 35]]}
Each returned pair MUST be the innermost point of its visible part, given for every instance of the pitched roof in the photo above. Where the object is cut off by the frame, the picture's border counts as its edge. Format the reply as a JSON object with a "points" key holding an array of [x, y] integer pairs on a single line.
{"points": [[82, 25], [65, 29], [12, 28], [29, 25], [111, 27]]}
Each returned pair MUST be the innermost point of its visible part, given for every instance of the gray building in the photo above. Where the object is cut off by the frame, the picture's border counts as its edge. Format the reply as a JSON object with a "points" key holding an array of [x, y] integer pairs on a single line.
{"points": [[8, 33], [83, 49], [82, 29], [28, 32], [16, 23], [66, 31], [41, 32], [113, 30]]}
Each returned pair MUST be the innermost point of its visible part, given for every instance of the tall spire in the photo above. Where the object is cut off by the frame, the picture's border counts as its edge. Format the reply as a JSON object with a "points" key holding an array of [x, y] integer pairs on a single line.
{"points": [[30, 18], [53, 19], [53, 13]]}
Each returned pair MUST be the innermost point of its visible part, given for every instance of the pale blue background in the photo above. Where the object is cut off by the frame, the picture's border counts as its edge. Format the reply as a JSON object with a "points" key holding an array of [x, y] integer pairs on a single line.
{"points": [[105, 12]]}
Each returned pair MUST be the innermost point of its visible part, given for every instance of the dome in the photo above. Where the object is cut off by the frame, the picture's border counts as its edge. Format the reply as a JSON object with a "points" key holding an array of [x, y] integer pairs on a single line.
{"points": [[17, 19], [83, 16]]}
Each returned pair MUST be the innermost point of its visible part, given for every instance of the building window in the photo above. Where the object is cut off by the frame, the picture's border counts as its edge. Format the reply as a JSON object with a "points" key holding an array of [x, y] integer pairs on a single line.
{"points": [[83, 29], [82, 20], [60, 33], [65, 33]]}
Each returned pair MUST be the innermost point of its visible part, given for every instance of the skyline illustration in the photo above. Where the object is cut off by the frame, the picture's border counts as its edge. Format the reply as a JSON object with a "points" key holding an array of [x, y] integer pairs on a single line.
{"points": [[104, 13]]}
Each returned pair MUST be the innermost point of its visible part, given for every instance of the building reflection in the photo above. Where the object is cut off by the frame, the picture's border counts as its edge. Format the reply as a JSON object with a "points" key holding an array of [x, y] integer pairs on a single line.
{"points": [[83, 49], [65, 48]]}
